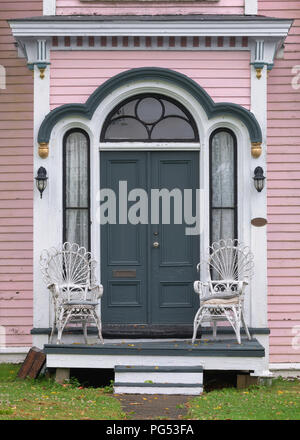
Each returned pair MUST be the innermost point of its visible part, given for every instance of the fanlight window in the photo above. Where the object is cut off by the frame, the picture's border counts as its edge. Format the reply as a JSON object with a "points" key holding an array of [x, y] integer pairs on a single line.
{"points": [[149, 118]]}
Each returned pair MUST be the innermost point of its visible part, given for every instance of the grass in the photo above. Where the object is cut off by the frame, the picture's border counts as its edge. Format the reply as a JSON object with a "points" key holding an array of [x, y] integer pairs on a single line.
{"points": [[43, 399], [281, 401]]}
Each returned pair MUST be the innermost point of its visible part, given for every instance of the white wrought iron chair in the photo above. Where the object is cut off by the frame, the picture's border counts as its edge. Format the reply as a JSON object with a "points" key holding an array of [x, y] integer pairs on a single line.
{"points": [[69, 273], [229, 266]]}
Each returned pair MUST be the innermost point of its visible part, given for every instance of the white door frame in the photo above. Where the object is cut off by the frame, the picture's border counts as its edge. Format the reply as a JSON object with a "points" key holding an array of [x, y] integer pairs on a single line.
{"points": [[53, 214]]}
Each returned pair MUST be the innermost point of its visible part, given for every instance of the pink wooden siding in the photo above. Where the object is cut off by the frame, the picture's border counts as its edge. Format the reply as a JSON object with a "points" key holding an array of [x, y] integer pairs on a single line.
{"points": [[66, 7], [16, 163], [76, 74], [284, 190]]}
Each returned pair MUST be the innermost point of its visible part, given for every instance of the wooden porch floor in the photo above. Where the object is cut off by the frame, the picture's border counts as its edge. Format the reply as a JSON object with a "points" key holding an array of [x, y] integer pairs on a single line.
{"points": [[204, 347]]}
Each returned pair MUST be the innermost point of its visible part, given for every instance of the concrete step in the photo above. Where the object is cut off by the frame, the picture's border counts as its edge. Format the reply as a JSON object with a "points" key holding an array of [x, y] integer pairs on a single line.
{"points": [[132, 379]]}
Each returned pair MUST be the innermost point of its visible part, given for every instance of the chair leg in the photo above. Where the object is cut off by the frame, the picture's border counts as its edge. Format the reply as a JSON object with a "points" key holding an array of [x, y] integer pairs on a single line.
{"points": [[99, 325], [84, 327], [214, 330], [197, 321], [234, 321], [245, 326], [61, 323], [52, 331]]}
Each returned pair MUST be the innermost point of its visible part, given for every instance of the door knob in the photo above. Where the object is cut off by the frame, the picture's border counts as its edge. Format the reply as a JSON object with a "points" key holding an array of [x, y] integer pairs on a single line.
{"points": [[155, 244]]}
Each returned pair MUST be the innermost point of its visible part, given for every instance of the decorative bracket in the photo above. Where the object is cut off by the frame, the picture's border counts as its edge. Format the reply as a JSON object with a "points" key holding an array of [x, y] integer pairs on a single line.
{"points": [[263, 52], [37, 52]]}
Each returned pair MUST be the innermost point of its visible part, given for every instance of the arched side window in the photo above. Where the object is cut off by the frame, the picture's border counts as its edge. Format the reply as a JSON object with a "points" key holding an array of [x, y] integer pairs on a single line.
{"points": [[76, 188], [149, 118], [223, 185]]}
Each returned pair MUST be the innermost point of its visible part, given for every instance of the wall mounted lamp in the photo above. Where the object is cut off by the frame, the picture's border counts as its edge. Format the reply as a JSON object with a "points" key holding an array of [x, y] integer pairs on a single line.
{"points": [[259, 179], [41, 180]]}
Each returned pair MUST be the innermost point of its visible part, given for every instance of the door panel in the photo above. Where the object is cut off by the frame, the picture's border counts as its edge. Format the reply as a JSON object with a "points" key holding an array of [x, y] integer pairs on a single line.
{"points": [[146, 284], [123, 246], [173, 263]]}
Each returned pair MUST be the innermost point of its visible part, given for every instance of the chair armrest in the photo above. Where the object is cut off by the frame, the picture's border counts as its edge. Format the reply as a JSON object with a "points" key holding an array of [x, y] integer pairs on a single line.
{"points": [[241, 286], [96, 291], [54, 289], [200, 288]]}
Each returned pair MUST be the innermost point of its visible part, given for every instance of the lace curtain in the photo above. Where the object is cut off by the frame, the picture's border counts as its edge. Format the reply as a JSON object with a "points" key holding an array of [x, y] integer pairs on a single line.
{"points": [[77, 189], [223, 186]]}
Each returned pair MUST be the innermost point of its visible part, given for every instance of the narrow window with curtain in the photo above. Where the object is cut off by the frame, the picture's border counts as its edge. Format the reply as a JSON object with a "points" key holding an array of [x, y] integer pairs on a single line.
{"points": [[76, 188], [223, 185]]}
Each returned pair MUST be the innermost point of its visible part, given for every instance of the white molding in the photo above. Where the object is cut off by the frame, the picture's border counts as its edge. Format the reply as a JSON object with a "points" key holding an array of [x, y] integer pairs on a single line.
{"points": [[148, 146], [251, 7], [258, 203], [51, 204], [13, 355], [284, 366], [49, 7], [251, 28], [255, 364], [43, 215]]}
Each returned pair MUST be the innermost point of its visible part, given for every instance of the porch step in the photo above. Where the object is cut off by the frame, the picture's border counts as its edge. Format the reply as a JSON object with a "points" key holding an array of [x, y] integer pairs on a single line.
{"points": [[132, 379]]}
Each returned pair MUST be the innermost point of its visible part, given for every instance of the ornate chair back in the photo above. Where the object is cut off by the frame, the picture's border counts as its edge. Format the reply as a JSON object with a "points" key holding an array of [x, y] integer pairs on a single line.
{"points": [[70, 268], [228, 263]]}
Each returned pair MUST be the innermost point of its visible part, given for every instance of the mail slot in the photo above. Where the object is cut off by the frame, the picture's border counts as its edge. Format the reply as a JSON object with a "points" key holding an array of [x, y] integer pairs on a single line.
{"points": [[124, 273]]}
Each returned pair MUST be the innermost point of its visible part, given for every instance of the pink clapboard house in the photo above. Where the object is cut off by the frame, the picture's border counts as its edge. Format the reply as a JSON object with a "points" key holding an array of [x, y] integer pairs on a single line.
{"points": [[101, 83]]}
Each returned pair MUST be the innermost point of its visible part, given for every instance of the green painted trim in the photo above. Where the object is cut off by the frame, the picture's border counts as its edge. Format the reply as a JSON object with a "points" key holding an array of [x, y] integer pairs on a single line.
{"points": [[211, 108], [204, 331], [160, 385], [258, 64], [139, 369], [226, 348]]}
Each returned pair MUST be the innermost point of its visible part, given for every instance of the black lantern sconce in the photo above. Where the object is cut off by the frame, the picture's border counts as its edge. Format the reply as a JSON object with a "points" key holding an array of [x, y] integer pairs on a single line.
{"points": [[259, 179], [41, 180]]}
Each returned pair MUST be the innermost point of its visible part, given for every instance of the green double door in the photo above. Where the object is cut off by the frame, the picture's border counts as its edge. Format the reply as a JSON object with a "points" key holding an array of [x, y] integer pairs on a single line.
{"points": [[148, 270]]}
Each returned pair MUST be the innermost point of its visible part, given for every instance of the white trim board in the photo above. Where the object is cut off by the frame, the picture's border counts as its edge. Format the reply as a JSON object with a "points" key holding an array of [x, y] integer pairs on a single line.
{"points": [[49, 210], [251, 7], [14, 355], [257, 365], [49, 7], [250, 28]]}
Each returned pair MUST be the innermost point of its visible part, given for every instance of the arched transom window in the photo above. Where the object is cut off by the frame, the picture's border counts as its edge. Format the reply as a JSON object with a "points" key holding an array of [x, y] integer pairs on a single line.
{"points": [[149, 118]]}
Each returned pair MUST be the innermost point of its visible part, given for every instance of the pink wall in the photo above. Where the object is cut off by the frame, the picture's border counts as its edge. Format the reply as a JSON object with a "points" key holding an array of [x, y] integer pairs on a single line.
{"points": [[16, 181], [284, 190], [76, 74], [65, 7]]}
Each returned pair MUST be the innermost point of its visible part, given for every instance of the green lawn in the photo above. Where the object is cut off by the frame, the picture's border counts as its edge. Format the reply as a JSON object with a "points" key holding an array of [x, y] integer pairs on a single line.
{"points": [[43, 399], [281, 401]]}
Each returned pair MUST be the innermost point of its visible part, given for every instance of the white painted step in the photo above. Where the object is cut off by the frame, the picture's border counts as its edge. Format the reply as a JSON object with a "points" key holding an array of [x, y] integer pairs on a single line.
{"points": [[130, 379]]}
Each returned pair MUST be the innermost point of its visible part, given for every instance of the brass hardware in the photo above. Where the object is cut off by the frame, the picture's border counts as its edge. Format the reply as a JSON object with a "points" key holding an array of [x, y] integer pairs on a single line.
{"points": [[42, 72], [155, 244], [155, 233], [259, 221], [43, 150], [256, 149], [258, 72], [124, 273]]}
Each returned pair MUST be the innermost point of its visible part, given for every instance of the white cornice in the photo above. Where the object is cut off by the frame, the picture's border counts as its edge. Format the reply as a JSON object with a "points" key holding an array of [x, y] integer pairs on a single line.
{"points": [[236, 27]]}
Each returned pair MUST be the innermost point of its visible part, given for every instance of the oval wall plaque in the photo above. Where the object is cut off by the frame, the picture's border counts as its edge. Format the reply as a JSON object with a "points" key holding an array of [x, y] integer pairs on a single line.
{"points": [[259, 221]]}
